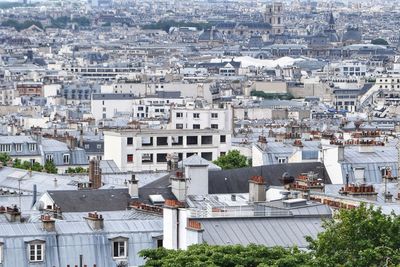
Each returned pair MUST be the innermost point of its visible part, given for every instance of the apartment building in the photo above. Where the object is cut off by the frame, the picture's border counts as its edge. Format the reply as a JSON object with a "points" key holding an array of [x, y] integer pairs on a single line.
{"points": [[199, 115], [107, 106], [147, 149]]}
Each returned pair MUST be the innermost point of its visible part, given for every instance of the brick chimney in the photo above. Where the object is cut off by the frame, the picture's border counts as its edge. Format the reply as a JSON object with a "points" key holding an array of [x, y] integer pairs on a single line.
{"points": [[49, 224], [95, 174], [95, 221], [13, 214], [257, 189]]}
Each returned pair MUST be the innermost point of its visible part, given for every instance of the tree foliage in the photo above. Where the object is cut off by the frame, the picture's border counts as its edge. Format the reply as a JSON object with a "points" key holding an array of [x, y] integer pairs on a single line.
{"points": [[353, 238], [232, 160], [361, 237], [264, 95], [63, 21], [77, 170], [48, 167], [21, 25], [225, 256], [379, 41]]}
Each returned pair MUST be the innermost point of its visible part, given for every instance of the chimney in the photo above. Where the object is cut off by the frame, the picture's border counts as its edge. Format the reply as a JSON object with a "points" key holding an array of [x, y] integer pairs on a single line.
{"points": [[341, 153], [34, 195], [171, 224], [285, 195], [13, 214], [178, 186], [71, 142], [81, 138], [95, 221], [172, 161], [49, 224], [133, 187], [257, 189], [95, 174]]}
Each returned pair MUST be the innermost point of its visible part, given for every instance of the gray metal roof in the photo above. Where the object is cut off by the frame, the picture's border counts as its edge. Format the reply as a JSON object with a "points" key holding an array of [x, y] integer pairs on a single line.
{"points": [[15, 179], [271, 232], [72, 239], [113, 96], [91, 200]]}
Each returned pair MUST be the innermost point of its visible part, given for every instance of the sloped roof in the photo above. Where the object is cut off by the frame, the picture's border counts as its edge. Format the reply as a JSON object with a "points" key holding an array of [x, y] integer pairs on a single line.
{"points": [[270, 232], [237, 180], [197, 160], [91, 200]]}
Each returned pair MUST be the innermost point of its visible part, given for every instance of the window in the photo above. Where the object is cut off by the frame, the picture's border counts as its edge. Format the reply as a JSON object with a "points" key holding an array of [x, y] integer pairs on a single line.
{"points": [[18, 147], [32, 147], [214, 115], [179, 115], [98, 146], [66, 158], [49, 157], [179, 126], [281, 160], [147, 157], [161, 157], [120, 249], [36, 252], [129, 158], [222, 139], [196, 126], [87, 146], [129, 141], [214, 126], [196, 115], [5, 148]]}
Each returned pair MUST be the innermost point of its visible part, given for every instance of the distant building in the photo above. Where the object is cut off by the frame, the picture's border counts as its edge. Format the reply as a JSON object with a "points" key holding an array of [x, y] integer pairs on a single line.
{"points": [[147, 149], [274, 15]]}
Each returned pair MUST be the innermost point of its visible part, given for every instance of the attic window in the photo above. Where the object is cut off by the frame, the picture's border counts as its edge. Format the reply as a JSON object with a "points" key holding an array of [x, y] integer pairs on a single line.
{"points": [[66, 158], [36, 251], [120, 248]]}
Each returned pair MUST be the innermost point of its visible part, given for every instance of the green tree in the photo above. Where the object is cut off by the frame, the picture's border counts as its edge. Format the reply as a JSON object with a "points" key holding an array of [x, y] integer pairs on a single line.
{"points": [[379, 41], [4, 158], [225, 256], [360, 237], [77, 170], [232, 160], [282, 96], [353, 238], [49, 167]]}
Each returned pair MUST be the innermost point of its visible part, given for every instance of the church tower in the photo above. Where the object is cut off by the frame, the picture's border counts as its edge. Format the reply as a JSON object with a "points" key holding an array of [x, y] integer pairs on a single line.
{"points": [[274, 16]]}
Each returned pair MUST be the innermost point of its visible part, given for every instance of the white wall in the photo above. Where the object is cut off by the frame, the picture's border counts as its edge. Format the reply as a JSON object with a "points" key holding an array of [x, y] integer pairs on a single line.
{"points": [[257, 156], [198, 180]]}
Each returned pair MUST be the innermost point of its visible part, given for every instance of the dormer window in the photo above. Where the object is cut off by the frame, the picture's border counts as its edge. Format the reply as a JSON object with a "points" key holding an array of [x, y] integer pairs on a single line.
{"points": [[120, 248], [49, 157], [18, 147], [66, 158], [36, 251], [32, 147]]}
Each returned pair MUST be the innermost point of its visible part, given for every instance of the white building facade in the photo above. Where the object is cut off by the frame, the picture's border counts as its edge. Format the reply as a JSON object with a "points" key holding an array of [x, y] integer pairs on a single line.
{"points": [[147, 149]]}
